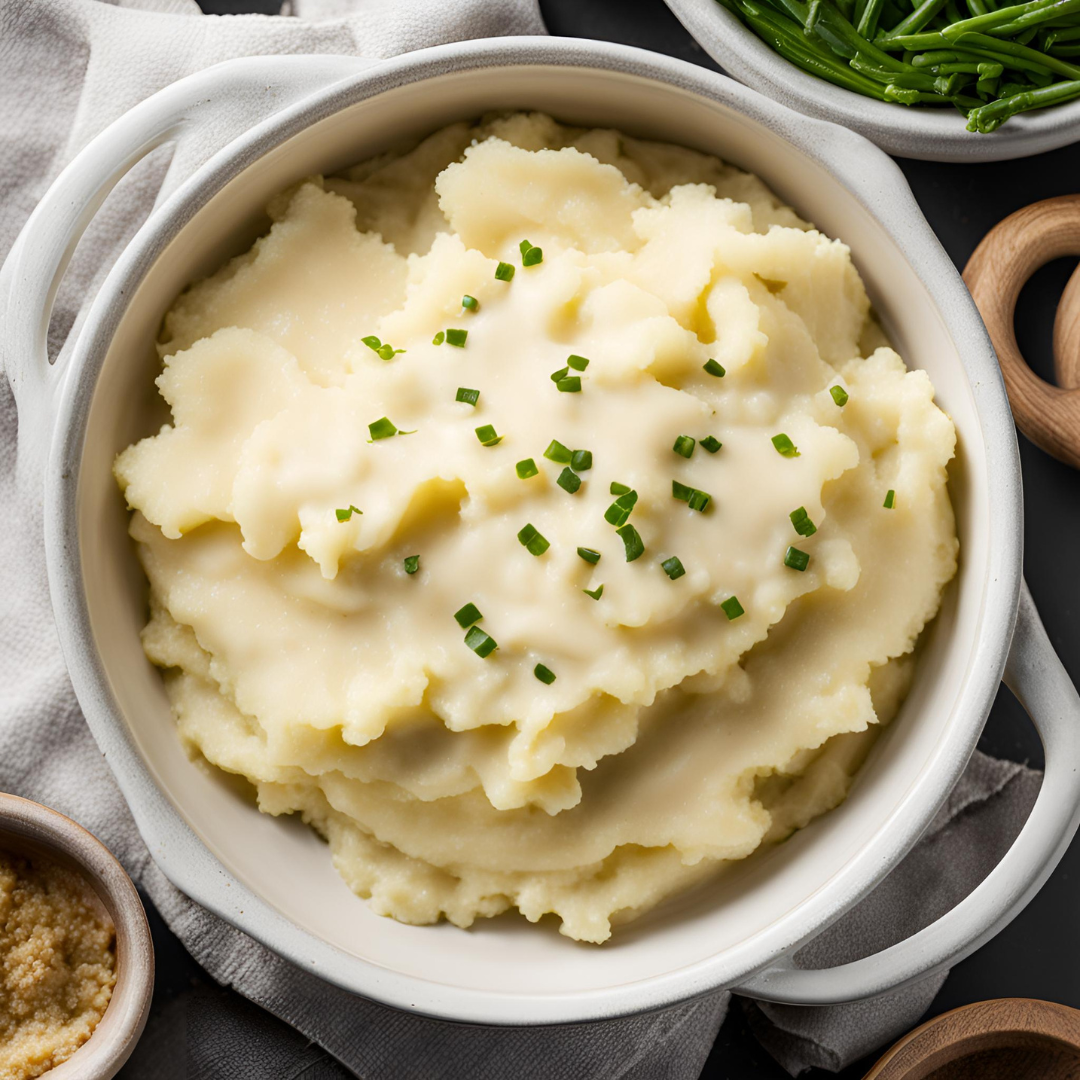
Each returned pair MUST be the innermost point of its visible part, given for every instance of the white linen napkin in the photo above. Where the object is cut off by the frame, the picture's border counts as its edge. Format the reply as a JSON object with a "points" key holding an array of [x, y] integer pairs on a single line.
{"points": [[67, 69]]}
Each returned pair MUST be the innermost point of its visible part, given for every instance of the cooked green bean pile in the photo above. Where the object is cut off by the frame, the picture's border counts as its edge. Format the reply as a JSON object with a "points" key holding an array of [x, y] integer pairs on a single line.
{"points": [[990, 64]]}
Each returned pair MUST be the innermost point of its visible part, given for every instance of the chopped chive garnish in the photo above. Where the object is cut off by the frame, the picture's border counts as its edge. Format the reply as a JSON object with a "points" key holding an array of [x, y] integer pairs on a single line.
{"points": [[713, 368], [673, 567], [801, 520], [346, 513], [569, 480], [388, 352], [784, 446], [381, 429], [594, 593], [635, 546], [488, 436], [618, 513], [439, 338], [470, 303], [681, 491], [684, 446], [581, 460], [412, 564], [617, 488], [530, 255], [526, 468], [558, 453], [732, 608], [467, 615], [589, 555], [532, 540], [839, 395], [372, 342], [796, 559], [504, 271], [470, 397], [700, 500], [560, 374], [482, 644], [711, 444], [569, 385], [890, 499], [456, 337], [578, 363], [544, 674]]}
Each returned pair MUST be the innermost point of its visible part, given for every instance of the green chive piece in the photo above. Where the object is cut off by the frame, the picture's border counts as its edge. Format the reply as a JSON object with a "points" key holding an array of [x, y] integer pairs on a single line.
{"points": [[347, 512], [561, 455], [526, 468], [482, 644], [381, 429], [589, 555], [681, 491], [544, 674], [581, 460], [571, 385], [796, 559], [594, 593], [839, 395], [504, 272], [569, 480], [560, 374], [635, 546], [801, 520], [530, 256], [439, 338], [732, 608], [890, 499], [578, 363], [618, 513], [470, 303], [467, 615], [456, 337], [711, 444], [673, 567], [684, 446], [784, 446], [700, 500], [412, 564], [372, 342], [487, 435], [470, 397], [713, 368], [617, 488], [388, 352], [532, 540]]}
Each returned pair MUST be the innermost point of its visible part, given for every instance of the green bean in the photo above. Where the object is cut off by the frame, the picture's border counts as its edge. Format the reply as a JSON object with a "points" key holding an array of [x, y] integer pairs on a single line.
{"points": [[1033, 19], [1021, 52], [935, 56], [917, 19], [987, 118], [1066, 50]]}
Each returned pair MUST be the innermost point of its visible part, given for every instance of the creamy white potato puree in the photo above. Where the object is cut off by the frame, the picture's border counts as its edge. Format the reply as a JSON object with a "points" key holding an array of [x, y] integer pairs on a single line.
{"points": [[735, 384]]}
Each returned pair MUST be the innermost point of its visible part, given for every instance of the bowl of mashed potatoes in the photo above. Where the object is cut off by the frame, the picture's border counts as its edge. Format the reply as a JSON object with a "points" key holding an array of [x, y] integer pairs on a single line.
{"points": [[534, 506]]}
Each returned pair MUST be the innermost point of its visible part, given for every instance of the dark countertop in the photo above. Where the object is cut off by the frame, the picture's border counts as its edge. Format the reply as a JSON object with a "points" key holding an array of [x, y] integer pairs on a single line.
{"points": [[192, 1018]]}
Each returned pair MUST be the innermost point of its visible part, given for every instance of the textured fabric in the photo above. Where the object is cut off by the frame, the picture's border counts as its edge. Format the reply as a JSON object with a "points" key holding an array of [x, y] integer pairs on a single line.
{"points": [[68, 68]]}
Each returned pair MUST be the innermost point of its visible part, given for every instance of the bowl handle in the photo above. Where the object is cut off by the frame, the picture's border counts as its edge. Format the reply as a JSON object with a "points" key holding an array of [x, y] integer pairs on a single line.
{"points": [[201, 110], [1036, 676]]}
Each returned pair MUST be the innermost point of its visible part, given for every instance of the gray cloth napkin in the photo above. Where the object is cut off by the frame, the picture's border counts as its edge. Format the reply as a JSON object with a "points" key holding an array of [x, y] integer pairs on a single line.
{"points": [[68, 68]]}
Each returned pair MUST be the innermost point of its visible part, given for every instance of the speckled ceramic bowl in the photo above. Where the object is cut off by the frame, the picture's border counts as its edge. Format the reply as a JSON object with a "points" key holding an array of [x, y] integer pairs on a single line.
{"points": [[933, 134], [30, 829]]}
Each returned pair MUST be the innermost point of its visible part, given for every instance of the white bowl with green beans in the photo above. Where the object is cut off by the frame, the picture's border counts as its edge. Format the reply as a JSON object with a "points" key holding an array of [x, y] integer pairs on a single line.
{"points": [[943, 80]]}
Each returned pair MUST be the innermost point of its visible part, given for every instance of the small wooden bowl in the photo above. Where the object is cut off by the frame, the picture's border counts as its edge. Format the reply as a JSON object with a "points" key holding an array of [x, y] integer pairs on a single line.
{"points": [[29, 829], [1006, 1039]]}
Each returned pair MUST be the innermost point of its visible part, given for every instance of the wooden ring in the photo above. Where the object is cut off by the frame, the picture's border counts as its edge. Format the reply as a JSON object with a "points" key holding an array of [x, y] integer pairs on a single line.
{"points": [[1000, 267]]}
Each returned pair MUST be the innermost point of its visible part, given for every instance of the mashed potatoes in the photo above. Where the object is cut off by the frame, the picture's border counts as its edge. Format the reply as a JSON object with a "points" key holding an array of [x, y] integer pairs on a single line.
{"points": [[675, 635]]}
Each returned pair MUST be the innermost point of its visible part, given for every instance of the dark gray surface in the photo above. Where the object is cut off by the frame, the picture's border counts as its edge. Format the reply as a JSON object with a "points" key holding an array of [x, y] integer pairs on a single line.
{"points": [[198, 1031]]}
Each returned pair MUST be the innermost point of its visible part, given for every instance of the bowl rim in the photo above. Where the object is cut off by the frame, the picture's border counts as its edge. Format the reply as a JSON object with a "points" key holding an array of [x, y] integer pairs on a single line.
{"points": [[865, 172], [928, 134], [23, 821]]}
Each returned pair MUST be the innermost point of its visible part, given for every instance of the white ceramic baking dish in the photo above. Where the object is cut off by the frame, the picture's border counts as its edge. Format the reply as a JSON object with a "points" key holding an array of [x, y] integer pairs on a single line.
{"points": [[927, 132], [273, 878]]}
